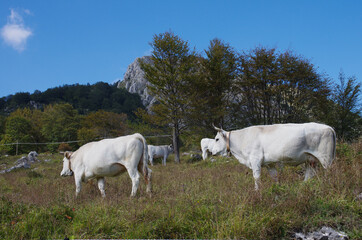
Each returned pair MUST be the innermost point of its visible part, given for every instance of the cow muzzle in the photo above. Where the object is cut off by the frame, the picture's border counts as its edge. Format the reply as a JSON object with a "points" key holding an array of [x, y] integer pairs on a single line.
{"points": [[66, 173]]}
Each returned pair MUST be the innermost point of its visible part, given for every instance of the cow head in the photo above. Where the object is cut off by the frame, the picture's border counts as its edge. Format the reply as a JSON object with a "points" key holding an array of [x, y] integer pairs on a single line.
{"points": [[66, 171], [170, 148], [220, 143]]}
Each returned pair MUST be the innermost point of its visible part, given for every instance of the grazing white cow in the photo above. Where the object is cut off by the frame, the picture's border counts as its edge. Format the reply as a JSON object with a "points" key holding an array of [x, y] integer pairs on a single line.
{"points": [[206, 145], [268, 145], [158, 152], [109, 158]]}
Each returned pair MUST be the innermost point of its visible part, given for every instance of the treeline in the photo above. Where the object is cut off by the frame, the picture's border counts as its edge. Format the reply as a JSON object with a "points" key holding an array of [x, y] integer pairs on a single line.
{"points": [[235, 89], [72, 113], [55, 124], [83, 98]]}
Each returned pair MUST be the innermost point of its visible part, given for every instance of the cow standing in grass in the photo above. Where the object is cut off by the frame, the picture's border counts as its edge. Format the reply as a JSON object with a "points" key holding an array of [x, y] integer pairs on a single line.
{"points": [[109, 158], [159, 152], [268, 145]]}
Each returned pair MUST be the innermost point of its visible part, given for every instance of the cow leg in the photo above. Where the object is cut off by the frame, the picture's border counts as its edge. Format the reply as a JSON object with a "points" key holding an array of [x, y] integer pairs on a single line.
{"points": [[101, 186], [310, 170], [148, 181], [273, 173], [151, 160], [256, 167], [147, 176], [164, 160], [204, 154], [78, 184], [135, 177]]}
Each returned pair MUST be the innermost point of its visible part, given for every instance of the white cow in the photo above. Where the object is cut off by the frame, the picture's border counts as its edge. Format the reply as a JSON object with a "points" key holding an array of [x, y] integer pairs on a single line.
{"points": [[206, 145], [109, 158], [268, 145], [158, 152]]}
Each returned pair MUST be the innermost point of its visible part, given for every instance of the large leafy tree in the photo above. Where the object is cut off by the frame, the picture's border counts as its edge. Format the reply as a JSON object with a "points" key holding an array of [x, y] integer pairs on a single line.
{"points": [[60, 123], [347, 119], [278, 88], [171, 75], [102, 124], [219, 69], [17, 130]]}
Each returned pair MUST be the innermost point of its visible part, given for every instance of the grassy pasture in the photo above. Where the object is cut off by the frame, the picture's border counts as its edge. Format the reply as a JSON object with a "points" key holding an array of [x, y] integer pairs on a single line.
{"points": [[190, 200]]}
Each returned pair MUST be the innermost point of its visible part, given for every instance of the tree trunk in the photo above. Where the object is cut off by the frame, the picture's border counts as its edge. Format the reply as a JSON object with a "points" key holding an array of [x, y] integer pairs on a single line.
{"points": [[175, 139]]}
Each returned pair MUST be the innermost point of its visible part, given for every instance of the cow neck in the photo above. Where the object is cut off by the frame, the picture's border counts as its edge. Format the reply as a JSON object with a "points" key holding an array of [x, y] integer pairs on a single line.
{"points": [[228, 142]]}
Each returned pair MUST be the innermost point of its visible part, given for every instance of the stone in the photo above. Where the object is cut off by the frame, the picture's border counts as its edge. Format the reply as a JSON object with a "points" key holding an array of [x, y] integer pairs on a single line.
{"points": [[135, 82], [23, 162], [325, 233]]}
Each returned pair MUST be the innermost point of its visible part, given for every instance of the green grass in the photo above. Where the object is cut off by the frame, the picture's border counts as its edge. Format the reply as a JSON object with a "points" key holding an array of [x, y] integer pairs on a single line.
{"points": [[190, 200]]}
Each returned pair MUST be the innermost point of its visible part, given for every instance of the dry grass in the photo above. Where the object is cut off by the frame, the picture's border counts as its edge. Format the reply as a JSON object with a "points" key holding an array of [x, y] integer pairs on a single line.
{"points": [[198, 200]]}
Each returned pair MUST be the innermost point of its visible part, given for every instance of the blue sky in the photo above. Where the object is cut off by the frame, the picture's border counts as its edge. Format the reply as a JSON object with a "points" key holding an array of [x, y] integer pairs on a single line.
{"points": [[45, 44]]}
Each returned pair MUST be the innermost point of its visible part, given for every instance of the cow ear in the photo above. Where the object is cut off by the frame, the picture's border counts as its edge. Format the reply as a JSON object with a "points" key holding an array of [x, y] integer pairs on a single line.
{"points": [[223, 133], [68, 154]]}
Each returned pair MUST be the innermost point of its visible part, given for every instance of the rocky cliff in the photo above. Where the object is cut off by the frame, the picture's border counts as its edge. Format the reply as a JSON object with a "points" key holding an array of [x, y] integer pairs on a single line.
{"points": [[134, 81]]}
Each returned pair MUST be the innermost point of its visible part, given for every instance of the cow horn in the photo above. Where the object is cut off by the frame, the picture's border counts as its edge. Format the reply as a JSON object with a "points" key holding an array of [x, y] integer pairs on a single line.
{"points": [[217, 129]]}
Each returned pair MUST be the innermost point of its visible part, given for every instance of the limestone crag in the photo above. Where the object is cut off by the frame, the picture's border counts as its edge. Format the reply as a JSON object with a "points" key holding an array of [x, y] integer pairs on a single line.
{"points": [[135, 82]]}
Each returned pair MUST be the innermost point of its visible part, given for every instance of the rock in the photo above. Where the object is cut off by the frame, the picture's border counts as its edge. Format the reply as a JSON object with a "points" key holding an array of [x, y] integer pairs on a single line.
{"points": [[135, 82], [325, 233], [359, 197], [32, 157], [194, 157], [23, 162]]}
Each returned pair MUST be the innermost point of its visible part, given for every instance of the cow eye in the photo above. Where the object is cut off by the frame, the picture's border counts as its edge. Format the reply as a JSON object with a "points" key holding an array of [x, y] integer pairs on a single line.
{"points": [[217, 139]]}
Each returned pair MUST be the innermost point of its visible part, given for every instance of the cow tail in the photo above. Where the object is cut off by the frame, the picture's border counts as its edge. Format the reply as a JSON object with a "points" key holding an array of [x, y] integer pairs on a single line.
{"points": [[145, 159], [334, 145]]}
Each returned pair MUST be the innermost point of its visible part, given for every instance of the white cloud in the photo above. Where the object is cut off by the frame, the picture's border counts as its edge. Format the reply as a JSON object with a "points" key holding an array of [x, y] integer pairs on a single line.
{"points": [[15, 33]]}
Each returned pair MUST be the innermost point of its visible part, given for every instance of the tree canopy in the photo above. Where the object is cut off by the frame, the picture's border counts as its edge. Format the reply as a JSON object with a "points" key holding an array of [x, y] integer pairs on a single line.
{"points": [[171, 76], [84, 98]]}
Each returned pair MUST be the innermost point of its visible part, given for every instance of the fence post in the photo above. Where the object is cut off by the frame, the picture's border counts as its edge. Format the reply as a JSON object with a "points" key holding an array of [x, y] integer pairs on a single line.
{"points": [[17, 146]]}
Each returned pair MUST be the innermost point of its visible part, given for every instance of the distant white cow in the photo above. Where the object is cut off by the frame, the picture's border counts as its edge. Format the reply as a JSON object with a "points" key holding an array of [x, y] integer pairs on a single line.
{"points": [[268, 145], [158, 152], [109, 158], [206, 145]]}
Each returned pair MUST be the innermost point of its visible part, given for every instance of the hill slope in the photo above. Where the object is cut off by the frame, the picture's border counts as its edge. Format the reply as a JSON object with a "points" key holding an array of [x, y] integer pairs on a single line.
{"points": [[84, 98]]}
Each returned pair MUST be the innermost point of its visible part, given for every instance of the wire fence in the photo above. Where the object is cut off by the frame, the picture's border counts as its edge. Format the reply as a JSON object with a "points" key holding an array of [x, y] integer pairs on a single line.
{"points": [[50, 143], [17, 144]]}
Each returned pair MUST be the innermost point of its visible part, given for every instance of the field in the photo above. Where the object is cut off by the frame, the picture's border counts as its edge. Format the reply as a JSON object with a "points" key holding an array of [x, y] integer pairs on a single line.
{"points": [[190, 200]]}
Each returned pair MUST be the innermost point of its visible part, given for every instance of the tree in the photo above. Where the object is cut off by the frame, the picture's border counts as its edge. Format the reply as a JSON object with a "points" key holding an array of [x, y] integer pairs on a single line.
{"points": [[214, 87], [17, 129], [102, 124], [60, 124], [348, 122], [170, 75], [279, 88]]}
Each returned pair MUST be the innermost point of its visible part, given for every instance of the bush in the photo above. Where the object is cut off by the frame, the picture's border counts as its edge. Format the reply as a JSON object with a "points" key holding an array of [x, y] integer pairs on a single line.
{"points": [[63, 147]]}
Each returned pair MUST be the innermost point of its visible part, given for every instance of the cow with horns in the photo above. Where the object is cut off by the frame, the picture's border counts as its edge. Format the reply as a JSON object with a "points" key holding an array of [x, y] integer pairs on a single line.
{"points": [[269, 145]]}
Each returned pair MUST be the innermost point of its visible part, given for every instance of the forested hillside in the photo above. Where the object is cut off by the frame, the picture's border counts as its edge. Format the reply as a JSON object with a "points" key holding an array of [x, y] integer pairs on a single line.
{"points": [[64, 118], [83, 98]]}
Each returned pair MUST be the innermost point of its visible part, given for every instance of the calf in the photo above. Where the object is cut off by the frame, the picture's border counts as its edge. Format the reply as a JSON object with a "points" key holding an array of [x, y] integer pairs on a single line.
{"points": [[158, 152]]}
